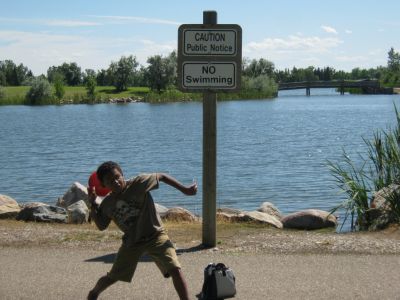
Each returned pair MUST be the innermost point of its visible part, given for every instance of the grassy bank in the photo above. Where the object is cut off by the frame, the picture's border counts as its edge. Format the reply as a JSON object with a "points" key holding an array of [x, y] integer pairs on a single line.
{"points": [[78, 95]]}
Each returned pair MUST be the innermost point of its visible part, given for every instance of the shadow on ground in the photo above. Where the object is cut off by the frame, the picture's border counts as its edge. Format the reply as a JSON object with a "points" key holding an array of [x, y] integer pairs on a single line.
{"points": [[109, 258]]}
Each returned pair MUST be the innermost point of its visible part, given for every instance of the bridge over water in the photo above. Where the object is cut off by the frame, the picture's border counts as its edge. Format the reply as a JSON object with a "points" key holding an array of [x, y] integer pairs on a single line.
{"points": [[339, 84]]}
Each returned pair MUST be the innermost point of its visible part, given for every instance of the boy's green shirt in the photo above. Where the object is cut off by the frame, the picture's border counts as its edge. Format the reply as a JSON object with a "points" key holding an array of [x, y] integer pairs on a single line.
{"points": [[133, 210]]}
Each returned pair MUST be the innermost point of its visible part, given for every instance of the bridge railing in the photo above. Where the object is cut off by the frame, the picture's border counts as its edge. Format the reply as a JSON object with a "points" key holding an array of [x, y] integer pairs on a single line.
{"points": [[329, 84]]}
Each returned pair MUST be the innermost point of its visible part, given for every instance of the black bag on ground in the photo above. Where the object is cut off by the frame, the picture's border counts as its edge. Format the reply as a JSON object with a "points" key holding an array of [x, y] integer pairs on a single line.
{"points": [[219, 283]]}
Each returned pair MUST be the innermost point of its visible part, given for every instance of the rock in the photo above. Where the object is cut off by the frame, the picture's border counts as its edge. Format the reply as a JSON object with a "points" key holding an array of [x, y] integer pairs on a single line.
{"points": [[226, 214], [309, 219], [379, 201], [76, 192], [9, 208], [234, 215], [32, 204], [270, 209], [380, 214], [260, 217], [179, 214], [161, 210], [43, 213], [78, 213]]}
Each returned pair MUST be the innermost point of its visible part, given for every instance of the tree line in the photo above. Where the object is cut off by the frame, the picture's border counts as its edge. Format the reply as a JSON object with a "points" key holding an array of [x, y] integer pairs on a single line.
{"points": [[161, 74]]}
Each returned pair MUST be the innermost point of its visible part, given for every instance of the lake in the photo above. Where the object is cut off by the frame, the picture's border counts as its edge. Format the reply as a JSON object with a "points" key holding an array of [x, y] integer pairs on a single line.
{"points": [[268, 150]]}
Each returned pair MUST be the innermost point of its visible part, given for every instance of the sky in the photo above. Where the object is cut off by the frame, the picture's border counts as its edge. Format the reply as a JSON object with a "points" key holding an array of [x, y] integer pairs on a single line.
{"points": [[343, 34]]}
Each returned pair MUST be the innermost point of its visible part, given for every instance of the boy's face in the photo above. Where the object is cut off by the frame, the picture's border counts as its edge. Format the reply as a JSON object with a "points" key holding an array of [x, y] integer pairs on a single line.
{"points": [[114, 181]]}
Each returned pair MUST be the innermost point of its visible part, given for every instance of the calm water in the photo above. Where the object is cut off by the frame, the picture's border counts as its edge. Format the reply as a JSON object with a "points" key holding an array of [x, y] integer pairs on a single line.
{"points": [[267, 150]]}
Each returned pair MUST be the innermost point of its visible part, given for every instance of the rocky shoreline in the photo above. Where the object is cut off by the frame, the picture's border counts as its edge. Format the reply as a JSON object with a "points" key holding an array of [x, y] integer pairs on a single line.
{"points": [[72, 208], [266, 230]]}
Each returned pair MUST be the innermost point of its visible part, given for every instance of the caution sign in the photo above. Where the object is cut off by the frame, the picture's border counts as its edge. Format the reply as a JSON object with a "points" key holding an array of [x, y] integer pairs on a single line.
{"points": [[209, 42], [209, 57]]}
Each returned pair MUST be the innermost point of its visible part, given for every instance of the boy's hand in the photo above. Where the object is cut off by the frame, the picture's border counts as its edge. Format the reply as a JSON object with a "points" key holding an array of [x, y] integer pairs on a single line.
{"points": [[190, 190], [92, 196]]}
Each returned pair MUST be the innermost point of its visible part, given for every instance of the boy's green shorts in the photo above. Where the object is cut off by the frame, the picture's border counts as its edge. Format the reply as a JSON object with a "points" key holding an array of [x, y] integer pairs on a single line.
{"points": [[160, 249]]}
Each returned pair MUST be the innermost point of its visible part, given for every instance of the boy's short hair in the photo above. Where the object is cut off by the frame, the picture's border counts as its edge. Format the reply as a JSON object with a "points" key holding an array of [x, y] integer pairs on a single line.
{"points": [[106, 168]]}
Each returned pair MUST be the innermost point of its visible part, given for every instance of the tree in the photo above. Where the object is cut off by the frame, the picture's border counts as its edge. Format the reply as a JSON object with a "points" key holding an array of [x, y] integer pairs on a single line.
{"points": [[13, 75], [91, 87], [257, 68], [393, 63], [123, 72], [71, 73], [40, 92], [161, 71], [87, 74], [59, 86]]}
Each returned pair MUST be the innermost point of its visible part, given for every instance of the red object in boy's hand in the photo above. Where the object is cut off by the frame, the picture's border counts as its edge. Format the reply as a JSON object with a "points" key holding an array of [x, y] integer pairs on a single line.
{"points": [[95, 183]]}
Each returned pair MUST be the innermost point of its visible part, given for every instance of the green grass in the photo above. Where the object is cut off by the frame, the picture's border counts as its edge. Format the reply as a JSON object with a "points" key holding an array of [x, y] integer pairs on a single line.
{"points": [[15, 95]]}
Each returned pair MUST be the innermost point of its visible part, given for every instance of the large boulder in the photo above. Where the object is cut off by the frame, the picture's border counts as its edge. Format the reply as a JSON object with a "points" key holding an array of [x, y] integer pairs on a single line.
{"points": [[270, 209], [9, 208], [309, 219], [78, 213], [179, 214], [235, 215], [75, 193], [43, 213]]}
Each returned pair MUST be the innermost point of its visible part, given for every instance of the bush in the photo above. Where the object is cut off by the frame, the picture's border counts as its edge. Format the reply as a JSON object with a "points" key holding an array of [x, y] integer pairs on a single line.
{"points": [[39, 93], [91, 88], [2, 93], [59, 86]]}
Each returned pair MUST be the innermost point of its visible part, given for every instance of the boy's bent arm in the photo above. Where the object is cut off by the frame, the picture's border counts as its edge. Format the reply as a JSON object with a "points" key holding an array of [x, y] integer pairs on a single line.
{"points": [[101, 221], [187, 190]]}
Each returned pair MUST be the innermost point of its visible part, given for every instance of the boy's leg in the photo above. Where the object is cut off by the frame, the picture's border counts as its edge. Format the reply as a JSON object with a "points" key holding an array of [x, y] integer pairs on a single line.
{"points": [[103, 283], [163, 252], [179, 283]]}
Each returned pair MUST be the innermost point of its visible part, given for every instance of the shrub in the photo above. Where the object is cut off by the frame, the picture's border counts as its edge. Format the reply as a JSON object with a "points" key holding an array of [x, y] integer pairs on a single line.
{"points": [[2, 93], [39, 93], [59, 86]]}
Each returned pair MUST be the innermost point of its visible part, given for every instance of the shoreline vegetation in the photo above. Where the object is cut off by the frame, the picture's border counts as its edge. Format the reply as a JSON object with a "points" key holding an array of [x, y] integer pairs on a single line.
{"points": [[16, 95], [156, 82]]}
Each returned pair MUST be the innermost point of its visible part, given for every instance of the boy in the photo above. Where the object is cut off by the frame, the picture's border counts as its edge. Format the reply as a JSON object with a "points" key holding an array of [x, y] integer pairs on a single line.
{"points": [[131, 207]]}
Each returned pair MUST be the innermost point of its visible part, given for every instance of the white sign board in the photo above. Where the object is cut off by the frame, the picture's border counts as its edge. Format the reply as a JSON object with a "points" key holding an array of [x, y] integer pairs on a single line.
{"points": [[209, 57], [209, 42], [216, 75]]}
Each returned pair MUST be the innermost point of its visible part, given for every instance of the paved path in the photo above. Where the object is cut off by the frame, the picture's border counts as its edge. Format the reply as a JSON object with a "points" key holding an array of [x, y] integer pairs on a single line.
{"points": [[35, 273]]}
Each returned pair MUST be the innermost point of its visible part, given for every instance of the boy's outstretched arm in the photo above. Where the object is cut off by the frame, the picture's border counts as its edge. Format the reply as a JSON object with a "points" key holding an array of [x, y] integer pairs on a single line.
{"points": [[189, 190]]}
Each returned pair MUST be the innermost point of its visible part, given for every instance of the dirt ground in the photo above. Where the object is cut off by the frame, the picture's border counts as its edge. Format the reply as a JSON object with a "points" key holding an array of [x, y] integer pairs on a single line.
{"points": [[231, 238]]}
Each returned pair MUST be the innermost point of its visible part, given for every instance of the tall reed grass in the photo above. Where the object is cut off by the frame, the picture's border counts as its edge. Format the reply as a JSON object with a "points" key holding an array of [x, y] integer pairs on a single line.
{"points": [[379, 169]]}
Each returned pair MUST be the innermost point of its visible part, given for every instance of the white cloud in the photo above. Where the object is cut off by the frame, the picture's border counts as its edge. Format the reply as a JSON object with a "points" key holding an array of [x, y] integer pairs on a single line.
{"points": [[293, 43], [46, 50], [47, 22], [348, 31], [329, 29], [70, 23], [347, 58], [126, 19]]}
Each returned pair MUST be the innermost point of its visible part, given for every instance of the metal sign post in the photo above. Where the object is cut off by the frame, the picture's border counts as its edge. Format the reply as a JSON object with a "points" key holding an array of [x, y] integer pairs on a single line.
{"points": [[209, 60]]}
